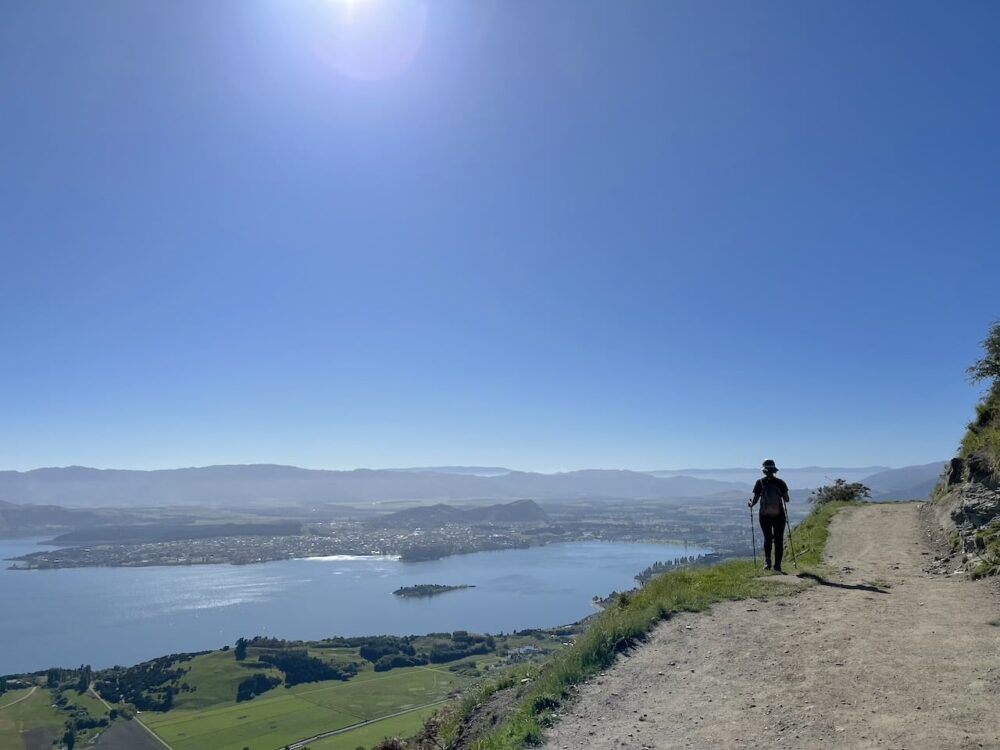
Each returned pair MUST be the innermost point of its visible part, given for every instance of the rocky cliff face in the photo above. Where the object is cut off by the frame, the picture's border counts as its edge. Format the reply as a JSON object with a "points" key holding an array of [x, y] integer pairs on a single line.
{"points": [[967, 500]]}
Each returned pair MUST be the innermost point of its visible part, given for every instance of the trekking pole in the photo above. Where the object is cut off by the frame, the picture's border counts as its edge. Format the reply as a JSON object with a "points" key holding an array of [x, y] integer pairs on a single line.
{"points": [[791, 544], [754, 537]]}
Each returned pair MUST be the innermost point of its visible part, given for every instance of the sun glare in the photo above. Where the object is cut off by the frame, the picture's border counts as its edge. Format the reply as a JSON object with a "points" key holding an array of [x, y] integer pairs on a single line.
{"points": [[372, 40], [353, 3]]}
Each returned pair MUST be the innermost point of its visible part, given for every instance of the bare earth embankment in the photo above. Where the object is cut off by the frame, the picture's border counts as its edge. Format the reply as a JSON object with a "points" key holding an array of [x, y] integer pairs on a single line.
{"points": [[883, 655]]}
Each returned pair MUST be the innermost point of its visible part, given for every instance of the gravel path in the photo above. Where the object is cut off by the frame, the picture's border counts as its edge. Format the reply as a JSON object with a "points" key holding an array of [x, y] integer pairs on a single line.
{"points": [[885, 655]]}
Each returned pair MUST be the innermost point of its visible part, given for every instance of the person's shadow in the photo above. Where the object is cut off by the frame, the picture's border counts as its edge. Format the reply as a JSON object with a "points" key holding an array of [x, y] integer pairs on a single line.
{"points": [[853, 586]]}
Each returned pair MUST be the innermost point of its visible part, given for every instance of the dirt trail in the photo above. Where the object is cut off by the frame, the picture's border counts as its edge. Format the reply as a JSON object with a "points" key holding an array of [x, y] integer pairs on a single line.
{"points": [[884, 656], [22, 698]]}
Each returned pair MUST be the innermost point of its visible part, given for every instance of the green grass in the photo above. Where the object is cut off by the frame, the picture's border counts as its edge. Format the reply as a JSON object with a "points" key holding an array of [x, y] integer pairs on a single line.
{"points": [[34, 713], [216, 676], [983, 435], [397, 692], [88, 702], [337, 657], [286, 715], [627, 622], [13, 695], [398, 726], [37, 712], [256, 730]]}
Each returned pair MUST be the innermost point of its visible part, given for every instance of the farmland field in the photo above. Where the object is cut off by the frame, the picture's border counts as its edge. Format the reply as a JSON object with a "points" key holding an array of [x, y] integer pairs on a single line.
{"points": [[216, 675], [366, 736], [286, 715], [34, 722], [31, 723], [13, 696]]}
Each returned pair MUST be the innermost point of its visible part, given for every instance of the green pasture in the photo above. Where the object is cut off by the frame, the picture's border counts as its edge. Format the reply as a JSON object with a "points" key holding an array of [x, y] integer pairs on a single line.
{"points": [[230, 731], [88, 702], [388, 692], [11, 696], [216, 676], [285, 715], [398, 726], [35, 713]]}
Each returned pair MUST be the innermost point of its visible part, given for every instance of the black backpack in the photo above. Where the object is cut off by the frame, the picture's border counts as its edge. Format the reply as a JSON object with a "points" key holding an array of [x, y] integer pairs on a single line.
{"points": [[771, 492]]}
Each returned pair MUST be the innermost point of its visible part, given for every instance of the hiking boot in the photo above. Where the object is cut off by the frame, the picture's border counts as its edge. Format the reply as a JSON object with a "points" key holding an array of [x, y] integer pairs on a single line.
{"points": [[777, 569], [767, 565]]}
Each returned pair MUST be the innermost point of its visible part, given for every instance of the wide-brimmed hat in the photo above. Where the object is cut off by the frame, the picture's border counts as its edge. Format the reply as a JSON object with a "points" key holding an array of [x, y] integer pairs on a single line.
{"points": [[769, 465]]}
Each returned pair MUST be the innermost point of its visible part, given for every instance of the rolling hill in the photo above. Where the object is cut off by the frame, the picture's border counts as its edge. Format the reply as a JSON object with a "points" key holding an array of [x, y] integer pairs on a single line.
{"points": [[519, 511]]}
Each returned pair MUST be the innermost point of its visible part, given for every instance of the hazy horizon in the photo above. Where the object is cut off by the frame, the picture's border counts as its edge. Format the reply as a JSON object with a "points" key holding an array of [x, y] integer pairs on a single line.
{"points": [[416, 467]]}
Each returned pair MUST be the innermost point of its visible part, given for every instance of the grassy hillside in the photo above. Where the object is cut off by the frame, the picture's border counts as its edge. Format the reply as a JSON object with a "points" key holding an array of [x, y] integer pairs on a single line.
{"points": [[979, 453], [367, 736], [286, 715], [980, 447], [361, 689], [33, 716], [619, 627], [215, 677], [31, 720]]}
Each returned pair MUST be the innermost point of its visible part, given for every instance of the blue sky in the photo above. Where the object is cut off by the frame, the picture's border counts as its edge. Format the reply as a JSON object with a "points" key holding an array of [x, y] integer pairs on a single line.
{"points": [[547, 235]]}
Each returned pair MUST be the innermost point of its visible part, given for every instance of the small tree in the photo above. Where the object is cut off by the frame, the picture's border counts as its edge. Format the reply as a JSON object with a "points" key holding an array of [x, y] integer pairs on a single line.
{"points": [[84, 676], [841, 491], [987, 367], [241, 649]]}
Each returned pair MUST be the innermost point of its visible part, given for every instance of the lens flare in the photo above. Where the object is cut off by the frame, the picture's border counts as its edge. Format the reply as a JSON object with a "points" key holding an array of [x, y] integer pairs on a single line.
{"points": [[371, 40]]}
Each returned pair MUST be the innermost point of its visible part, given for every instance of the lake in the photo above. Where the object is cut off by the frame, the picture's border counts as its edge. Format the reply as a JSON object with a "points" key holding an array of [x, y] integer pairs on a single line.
{"points": [[107, 616]]}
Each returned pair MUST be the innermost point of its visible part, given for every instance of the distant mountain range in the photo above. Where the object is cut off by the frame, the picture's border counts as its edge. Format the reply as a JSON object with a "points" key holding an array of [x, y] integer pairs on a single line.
{"points": [[809, 476], [263, 485], [519, 511], [472, 471], [908, 483], [266, 485]]}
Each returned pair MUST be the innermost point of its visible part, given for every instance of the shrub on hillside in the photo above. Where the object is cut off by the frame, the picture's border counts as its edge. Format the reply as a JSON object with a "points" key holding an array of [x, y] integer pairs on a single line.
{"points": [[441, 653], [980, 447], [395, 661], [149, 686], [987, 367], [841, 491], [386, 645], [254, 686], [981, 444], [299, 667]]}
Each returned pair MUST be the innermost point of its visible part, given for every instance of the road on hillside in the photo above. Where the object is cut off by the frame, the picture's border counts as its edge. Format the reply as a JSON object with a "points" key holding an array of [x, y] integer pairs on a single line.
{"points": [[132, 734], [881, 655]]}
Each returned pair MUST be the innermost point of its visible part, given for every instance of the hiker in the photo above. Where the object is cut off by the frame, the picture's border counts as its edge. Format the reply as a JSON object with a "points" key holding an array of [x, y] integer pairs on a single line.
{"points": [[772, 494]]}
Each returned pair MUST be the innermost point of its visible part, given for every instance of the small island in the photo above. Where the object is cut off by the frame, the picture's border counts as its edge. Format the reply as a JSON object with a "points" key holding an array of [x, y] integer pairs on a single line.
{"points": [[427, 589]]}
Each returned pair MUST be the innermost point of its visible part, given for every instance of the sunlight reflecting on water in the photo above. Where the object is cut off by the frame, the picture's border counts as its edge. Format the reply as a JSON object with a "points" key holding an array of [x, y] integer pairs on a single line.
{"points": [[105, 616]]}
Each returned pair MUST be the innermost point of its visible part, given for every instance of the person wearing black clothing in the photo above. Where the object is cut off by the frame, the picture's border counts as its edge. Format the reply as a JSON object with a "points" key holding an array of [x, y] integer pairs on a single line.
{"points": [[772, 494]]}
